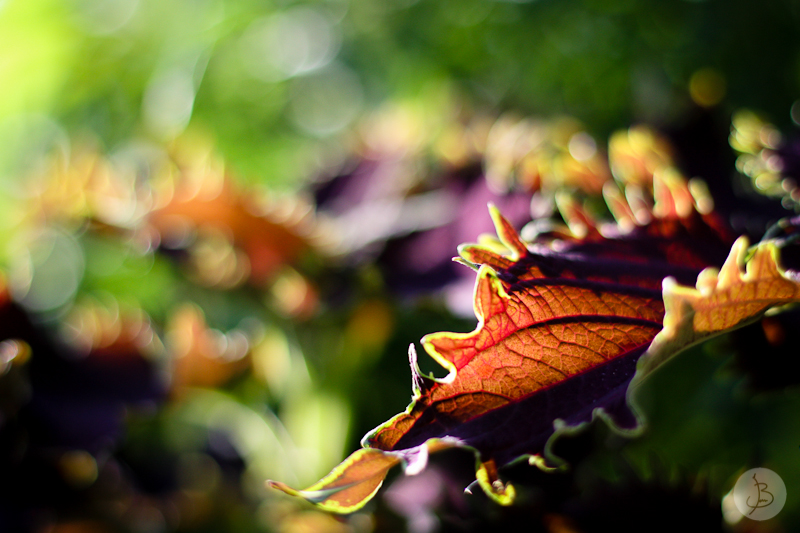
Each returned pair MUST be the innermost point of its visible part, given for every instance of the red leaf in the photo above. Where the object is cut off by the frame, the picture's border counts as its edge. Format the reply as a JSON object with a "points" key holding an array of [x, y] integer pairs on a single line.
{"points": [[562, 323]]}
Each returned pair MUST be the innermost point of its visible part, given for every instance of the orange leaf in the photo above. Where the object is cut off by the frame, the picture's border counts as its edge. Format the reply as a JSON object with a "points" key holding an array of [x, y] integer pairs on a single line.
{"points": [[558, 342]]}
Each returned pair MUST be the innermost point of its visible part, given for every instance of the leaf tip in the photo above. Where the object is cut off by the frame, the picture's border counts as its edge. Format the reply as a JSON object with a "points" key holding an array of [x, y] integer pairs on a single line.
{"points": [[541, 463], [508, 235], [487, 478], [731, 272], [463, 257], [350, 485], [282, 487]]}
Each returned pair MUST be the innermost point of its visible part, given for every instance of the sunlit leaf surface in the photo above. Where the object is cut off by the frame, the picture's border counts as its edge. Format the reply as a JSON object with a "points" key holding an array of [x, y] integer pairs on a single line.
{"points": [[558, 339]]}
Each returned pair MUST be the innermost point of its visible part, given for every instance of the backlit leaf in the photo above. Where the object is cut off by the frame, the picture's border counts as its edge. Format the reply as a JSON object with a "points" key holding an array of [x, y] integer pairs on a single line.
{"points": [[561, 329], [737, 294]]}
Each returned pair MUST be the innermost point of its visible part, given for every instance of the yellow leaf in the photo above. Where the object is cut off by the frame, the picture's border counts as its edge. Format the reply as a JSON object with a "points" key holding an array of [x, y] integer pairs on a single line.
{"points": [[722, 300], [355, 481]]}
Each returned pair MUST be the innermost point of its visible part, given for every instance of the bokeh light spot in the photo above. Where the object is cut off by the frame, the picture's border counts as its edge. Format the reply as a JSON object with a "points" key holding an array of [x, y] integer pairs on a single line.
{"points": [[168, 102], [326, 101], [47, 272], [707, 87], [294, 42]]}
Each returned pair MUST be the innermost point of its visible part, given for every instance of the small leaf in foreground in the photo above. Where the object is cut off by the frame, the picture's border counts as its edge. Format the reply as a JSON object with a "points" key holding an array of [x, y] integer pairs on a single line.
{"points": [[356, 480]]}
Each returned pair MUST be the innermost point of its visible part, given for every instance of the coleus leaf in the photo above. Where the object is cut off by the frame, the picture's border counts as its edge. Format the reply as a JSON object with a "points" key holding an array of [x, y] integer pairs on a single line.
{"points": [[559, 336], [749, 283]]}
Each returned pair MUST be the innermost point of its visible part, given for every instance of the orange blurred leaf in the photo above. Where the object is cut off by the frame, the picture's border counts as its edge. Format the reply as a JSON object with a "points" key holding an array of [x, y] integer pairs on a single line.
{"points": [[269, 238]]}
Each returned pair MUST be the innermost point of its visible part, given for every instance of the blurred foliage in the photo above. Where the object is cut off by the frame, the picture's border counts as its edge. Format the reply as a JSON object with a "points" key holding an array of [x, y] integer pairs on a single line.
{"points": [[221, 224]]}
